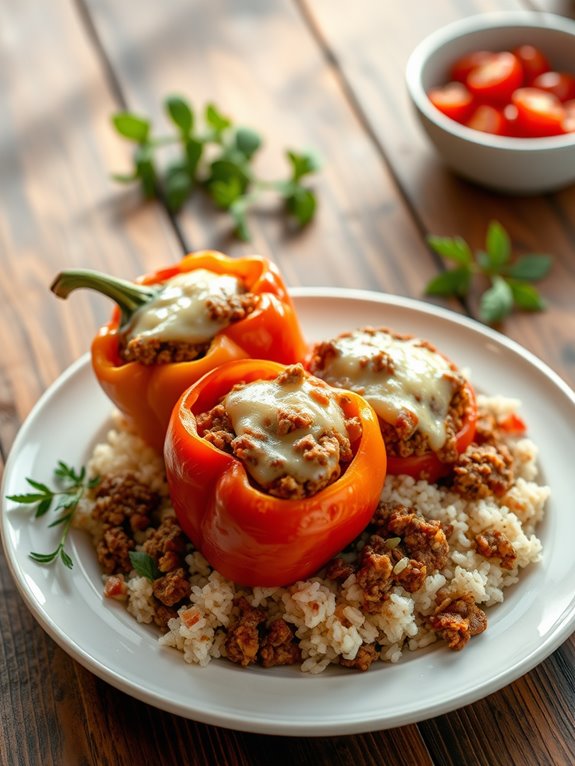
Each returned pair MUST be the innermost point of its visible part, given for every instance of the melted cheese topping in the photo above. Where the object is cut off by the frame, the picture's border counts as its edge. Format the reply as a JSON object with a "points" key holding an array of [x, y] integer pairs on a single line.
{"points": [[419, 384], [180, 313], [255, 412]]}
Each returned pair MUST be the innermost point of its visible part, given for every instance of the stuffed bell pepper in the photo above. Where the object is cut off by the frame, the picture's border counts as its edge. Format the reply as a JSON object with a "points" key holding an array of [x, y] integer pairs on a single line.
{"points": [[271, 471], [426, 407], [173, 326]]}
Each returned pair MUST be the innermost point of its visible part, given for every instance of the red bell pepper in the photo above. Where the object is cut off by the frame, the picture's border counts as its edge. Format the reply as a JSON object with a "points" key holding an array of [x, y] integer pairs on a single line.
{"points": [[428, 466], [146, 394], [249, 536]]}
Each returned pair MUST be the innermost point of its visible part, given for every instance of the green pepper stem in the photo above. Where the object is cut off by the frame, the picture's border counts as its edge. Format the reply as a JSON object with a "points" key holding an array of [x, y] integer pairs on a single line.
{"points": [[128, 295]]}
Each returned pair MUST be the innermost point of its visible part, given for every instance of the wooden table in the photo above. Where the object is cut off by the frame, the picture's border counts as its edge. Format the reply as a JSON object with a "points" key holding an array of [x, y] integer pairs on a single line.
{"points": [[318, 73]]}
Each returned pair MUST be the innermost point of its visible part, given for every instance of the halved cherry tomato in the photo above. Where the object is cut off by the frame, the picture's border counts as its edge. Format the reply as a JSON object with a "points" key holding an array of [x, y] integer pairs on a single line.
{"points": [[453, 99], [463, 66], [488, 119], [539, 113], [495, 80], [533, 62], [560, 84], [429, 466], [569, 120]]}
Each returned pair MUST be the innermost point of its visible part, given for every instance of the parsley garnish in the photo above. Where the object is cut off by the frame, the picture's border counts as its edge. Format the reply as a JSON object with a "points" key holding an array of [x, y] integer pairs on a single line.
{"points": [[226, 174], [144, 565], [71, 486], [510, 279]]}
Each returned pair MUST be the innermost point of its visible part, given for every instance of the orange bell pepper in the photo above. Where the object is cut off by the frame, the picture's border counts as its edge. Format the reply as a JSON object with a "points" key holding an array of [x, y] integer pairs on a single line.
{"points": [[146, 394], [249, 536]]}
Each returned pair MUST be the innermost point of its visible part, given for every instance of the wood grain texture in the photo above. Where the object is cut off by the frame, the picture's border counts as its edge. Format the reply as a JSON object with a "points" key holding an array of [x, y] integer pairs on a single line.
{"points": [[59, 207], [306, 74], [441, 203], [363, 233]]}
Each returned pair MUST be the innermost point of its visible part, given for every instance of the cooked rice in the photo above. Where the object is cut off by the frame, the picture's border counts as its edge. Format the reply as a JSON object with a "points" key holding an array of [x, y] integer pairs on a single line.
{"points": [[327, 617]]}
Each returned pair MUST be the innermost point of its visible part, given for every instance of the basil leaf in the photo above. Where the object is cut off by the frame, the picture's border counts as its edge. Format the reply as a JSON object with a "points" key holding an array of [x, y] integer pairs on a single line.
{"points": [[526, 296], [177, 186], [180, 113], [497, 302], [224, 193], [193, 149], [452, 248], [302, 205], [131, 126], [302, 164], [498, 245], [238, 213], [531, 267], [217, 121], [452, 282], [144, 565], [247, 141], [145, 170]]}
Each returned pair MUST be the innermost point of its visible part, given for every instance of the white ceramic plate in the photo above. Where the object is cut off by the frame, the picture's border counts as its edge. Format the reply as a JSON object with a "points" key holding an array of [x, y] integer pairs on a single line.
{"points": [[537, 616]]}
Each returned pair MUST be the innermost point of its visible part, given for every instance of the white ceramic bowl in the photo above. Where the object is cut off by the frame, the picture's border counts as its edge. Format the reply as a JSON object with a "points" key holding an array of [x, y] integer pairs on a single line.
{"points": [[511, 165]]}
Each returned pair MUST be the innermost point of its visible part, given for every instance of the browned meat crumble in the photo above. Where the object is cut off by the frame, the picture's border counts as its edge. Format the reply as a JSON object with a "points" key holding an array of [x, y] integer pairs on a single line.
{"points": [[483, 470], [250, 639], [402, 550], [493, 544], [123, 506], [457, 619]]}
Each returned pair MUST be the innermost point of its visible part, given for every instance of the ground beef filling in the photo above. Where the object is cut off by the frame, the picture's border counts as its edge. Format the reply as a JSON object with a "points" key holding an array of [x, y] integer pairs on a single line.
{"points": [[404, 436], [251, 639], [457, 619], [416, 443], [328, 450], [400, 548], [224, 309]]}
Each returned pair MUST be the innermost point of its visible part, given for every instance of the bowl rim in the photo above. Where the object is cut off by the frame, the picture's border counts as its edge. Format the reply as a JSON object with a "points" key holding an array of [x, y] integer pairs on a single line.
{"points": [[476, 23]]}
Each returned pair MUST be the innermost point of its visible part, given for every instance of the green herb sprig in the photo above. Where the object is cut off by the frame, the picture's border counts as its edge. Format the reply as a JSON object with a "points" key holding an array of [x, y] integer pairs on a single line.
{"points": [[71, 486], [510, 279], [217, 158]]}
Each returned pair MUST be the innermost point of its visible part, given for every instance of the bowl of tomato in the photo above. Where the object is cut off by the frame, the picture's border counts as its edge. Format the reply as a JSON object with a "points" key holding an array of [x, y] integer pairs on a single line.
{"points": [[495, 94]]}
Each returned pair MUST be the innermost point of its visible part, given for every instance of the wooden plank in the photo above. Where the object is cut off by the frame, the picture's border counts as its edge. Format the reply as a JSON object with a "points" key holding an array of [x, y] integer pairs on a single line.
{"points": [[363, 236], [444, 204], [161, 32], [59, 207], [530, 721], [58, 210]]}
